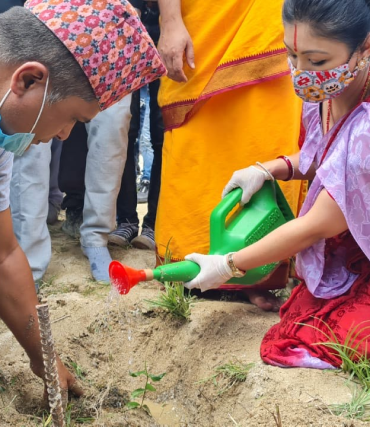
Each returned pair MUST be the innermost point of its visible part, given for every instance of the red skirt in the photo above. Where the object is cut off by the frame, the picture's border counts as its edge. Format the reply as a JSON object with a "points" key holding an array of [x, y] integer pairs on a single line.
{"points": [[307, 321]]}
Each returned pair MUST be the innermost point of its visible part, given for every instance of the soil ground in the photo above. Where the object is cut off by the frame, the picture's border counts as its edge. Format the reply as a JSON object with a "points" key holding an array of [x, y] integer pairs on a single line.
{"points": [[103, 336]]}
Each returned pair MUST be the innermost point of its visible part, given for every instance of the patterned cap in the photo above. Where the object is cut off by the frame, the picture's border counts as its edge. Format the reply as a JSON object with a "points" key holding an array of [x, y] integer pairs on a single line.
{"points": [[107, 39]]}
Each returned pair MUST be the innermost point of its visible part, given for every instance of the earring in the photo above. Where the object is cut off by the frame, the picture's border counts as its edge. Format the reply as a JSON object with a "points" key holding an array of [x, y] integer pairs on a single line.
{"points": [[363, 63]]}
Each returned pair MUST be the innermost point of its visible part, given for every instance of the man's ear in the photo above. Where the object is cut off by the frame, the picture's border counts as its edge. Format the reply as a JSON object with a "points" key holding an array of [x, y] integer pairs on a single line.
{"points": [[29, 76]]}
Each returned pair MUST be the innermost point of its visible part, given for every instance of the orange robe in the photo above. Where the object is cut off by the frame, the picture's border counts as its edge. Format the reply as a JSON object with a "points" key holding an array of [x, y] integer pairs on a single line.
{"points": [[237, 107]]}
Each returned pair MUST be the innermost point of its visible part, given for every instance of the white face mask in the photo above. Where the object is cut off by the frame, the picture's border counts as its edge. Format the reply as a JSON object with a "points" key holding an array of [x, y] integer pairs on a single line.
{"points": [[19, 142]]}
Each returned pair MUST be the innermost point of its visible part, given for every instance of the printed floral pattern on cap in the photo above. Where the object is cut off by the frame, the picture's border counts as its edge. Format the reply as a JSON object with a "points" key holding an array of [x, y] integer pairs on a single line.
{"points": [[107, 39]]}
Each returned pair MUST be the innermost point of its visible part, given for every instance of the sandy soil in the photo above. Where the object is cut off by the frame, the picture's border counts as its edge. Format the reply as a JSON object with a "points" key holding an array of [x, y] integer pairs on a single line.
{"points": [[108, 336]]}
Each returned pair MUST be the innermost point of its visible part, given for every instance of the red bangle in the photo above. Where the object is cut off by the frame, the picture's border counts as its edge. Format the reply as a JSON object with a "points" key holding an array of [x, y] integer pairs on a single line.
{"points": [[290, 167]]}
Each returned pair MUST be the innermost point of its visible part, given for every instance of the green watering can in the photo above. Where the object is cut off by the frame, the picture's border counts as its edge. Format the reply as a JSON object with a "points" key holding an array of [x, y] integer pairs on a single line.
{"points": [[266, 211]]}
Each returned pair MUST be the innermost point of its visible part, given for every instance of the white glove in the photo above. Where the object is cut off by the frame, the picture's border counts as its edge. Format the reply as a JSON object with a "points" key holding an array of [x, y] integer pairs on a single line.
{"points": [[250, 180], [214, 271]]}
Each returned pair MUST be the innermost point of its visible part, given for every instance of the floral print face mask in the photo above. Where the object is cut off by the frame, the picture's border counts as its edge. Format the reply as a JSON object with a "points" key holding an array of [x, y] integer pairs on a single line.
{"points": [[317, 86]]}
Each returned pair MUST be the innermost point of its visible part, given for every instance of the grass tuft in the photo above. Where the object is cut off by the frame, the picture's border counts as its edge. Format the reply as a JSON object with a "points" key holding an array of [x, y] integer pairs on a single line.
{"points": [[353, 362], [357, 408], [175, 299], [228, 375]]}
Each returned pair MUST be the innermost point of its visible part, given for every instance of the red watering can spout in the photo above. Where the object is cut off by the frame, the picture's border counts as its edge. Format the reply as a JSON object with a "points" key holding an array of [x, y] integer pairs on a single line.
{"points": [[123, 278]]}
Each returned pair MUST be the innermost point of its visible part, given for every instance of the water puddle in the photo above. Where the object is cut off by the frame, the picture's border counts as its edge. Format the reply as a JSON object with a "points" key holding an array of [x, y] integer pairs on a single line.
{"points": [[166, 414]]}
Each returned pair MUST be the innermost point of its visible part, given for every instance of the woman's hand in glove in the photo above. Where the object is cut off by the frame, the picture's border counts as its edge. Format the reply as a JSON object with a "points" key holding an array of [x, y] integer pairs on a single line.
{"points": [[250, 180], [214, 272]]}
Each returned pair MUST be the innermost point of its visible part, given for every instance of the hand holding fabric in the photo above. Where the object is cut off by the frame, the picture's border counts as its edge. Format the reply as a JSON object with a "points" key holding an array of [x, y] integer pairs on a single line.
{"points": [[250, 180], [214, 272]]}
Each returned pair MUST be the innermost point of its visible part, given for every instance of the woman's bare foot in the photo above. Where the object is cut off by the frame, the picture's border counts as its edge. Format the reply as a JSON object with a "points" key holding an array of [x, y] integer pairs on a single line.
{"points": [[262, 299]]}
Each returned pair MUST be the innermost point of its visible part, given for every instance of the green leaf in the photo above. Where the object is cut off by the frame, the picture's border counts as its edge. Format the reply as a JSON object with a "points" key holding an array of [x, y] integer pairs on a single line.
{"points": [[150, 387], [138, 392], [156, 378], [132, 405], [146, 409], [137, 374]]}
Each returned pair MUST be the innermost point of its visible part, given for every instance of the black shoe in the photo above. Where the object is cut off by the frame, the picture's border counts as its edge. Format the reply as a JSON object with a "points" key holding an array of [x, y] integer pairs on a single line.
{"points": [[123, 234], [145, 240], [143, 191], [72, 223], [53, 213]]}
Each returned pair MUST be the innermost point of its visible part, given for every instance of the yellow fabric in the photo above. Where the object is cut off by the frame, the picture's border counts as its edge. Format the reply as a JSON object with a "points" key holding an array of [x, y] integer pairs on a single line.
{"points": [[231, 130], [224, 31]]}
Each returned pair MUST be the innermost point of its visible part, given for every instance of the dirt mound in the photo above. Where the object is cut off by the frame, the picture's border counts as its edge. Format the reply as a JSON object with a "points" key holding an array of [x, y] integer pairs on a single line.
{"points": [[102, 337]]}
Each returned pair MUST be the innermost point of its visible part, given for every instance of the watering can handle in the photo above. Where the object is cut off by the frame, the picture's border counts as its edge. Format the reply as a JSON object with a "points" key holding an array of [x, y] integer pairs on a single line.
{"points": [[228, 203], [219, 215]]}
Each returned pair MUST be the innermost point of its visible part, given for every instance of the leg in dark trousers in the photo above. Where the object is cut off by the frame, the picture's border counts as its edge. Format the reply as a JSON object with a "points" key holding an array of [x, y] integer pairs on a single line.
{"points": [[146, 239], [156, 135], [127, 217], [72, 178]]}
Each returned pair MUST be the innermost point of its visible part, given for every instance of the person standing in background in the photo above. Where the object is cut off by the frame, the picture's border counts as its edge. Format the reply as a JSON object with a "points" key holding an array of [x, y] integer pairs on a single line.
{"points": [[225, 102], [127, 231], [91, 168]]}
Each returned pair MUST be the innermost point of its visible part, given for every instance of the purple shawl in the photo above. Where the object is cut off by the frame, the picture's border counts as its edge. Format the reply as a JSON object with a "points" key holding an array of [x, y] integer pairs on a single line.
{"points": [[345, 174]]}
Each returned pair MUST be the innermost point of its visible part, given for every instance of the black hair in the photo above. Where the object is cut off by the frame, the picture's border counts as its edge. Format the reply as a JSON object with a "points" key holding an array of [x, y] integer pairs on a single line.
{"points": [[25, 38], [347, 21]]}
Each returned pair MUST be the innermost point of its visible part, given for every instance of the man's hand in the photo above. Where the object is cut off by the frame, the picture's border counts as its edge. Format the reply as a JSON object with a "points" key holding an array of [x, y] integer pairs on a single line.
{"points": [[214, 272], [175, 43], [18, 302], [68, 383]]}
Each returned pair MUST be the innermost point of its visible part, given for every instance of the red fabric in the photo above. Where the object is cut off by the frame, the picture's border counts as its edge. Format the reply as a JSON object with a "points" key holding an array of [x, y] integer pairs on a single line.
{"points": [[277, 280], [341, 314]]}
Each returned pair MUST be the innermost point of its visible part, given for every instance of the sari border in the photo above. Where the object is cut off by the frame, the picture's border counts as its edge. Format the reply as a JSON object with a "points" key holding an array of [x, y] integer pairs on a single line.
{"points": [[228, 76]]}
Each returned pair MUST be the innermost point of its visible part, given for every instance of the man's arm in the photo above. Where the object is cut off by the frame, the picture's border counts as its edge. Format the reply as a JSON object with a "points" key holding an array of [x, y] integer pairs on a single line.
{"points": [[174, 40], [170, 10], [18, 301]]}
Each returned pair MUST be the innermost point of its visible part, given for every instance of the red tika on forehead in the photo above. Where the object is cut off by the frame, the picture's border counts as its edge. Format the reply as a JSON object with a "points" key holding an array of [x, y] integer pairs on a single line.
{"points": [[107, 39], [295, 38]]}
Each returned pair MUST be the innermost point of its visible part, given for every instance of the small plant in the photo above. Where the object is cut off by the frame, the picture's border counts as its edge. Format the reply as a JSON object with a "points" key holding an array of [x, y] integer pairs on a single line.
{"points": [[141, 392], [175, 299], [73, 417], [353, 362], [45, 284], [277, 417], [228, 375], [2, 384], [46, 421], [356, 364], [77, 369], [357, 408]]}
